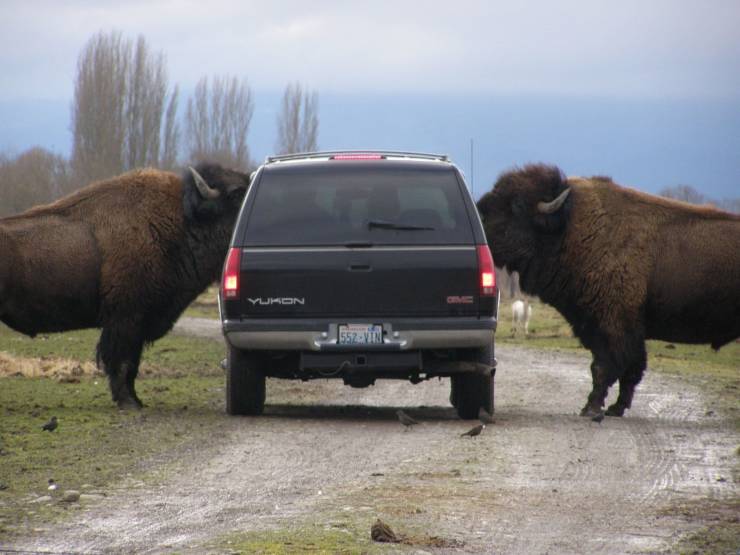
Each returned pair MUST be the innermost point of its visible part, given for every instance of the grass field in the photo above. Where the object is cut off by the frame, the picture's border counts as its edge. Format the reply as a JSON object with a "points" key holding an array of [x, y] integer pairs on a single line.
{"points": [[95, 445]]}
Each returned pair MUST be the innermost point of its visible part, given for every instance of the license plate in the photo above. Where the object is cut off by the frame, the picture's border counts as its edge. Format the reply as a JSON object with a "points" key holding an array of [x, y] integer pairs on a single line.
{"points": [[360, 334]]}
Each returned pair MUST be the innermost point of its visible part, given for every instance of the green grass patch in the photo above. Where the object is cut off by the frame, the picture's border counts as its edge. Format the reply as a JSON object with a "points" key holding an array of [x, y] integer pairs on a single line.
{"points": [[206, 305], [95, 445], [306, 539], [720, 537], [547, 329]]}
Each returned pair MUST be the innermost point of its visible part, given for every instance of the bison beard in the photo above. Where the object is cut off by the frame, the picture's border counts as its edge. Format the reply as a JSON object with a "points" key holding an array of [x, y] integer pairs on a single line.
{"points": [[127, 255], [621, 266]]}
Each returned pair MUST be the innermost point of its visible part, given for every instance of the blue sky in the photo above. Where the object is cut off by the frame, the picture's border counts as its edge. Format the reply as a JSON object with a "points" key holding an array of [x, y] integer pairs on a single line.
{"points": [[648, 92]]}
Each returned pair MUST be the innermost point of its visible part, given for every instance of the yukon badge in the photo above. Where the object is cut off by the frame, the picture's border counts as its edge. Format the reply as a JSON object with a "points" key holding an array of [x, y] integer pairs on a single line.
{"points": [[284, 301], [457, 299]]}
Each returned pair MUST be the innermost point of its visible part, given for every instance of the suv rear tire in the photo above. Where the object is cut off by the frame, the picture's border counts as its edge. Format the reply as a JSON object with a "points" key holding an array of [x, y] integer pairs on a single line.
{"points": [[473, 391], [245, 384]]}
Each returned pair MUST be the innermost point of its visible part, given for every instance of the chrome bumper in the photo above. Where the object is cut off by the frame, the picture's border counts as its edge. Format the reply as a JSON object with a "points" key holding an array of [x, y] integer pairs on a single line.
{"points": [[398, 336]]}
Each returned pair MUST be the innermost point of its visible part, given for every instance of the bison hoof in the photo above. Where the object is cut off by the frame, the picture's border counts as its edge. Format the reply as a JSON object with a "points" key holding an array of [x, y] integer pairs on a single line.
{"points": [[591, 412], [127, 403], [615, 410]]}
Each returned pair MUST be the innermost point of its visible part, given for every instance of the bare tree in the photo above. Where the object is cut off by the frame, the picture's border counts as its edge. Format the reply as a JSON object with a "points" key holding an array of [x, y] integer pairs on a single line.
{"points": [[685, 193], [171, 133], [118, 107], [34, 177], [298, 121], [217, 121], [731, 205]]}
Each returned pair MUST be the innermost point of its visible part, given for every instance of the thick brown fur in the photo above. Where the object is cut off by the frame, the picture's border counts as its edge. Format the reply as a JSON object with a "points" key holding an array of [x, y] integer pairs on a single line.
{"points": [[620, 265], [126, 255]]}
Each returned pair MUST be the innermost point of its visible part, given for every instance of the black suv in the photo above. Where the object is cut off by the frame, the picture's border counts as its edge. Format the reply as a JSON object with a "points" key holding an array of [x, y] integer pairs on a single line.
{"points": [[359, 266]]}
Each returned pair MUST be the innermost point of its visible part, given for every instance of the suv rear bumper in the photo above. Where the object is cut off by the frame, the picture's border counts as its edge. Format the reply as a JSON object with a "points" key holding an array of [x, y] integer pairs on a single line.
{"points": [[321, 334]]}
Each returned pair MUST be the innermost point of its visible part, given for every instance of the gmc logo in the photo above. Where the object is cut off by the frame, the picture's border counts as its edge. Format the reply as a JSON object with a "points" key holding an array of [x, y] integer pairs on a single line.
{"points": [[456, 299], [284, 301]]}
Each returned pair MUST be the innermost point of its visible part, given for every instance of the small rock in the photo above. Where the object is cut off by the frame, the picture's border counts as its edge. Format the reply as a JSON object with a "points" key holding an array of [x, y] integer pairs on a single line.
{"points": [[381, 532], [709, 413], [71, 496], [3, 486]]}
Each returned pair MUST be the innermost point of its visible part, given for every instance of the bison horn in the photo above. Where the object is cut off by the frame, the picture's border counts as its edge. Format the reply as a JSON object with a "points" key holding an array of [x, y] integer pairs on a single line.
{"points": [[553, 205], [203, 188]]}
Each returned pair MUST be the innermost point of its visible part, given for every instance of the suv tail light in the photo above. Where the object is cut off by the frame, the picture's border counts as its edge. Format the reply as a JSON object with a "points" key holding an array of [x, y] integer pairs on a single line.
{"points": [[487, 272], [230, 278]]}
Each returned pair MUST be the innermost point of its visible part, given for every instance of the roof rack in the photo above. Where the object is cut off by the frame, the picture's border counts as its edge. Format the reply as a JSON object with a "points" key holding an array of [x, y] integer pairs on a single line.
{"points": [[330, 153]]}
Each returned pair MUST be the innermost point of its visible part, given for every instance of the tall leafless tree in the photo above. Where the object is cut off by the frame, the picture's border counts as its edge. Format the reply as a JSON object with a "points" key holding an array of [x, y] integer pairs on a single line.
{"points": [[730, 204], [34, 177], [118, 109], [298, 121], [171, 133], [217, 122], [685, 193]]}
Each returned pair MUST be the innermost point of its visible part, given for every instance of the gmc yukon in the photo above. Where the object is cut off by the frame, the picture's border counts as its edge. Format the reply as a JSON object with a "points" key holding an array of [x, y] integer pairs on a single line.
{"points": [[359, 266]]}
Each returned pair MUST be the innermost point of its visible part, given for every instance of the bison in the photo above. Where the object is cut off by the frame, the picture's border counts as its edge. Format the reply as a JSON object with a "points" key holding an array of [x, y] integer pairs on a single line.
{"points": [[126, 255], [621, 266]]}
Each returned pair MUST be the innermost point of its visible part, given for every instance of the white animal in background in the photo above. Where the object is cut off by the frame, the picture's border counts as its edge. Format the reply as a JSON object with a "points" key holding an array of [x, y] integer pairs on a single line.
{"points": [[521, 313]]}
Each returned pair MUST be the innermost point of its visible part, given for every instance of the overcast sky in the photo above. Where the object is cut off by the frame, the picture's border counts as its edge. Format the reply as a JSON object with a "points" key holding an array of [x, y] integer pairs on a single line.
{"points": [[629, 48], [647, 91]]}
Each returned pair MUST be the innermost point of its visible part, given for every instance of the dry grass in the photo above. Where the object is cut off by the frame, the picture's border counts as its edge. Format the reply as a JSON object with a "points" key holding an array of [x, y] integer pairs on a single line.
{"points": [[61, 369]]}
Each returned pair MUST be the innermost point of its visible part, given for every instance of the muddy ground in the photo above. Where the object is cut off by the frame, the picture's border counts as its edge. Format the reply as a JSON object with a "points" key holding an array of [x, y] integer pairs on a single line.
{"points": [[539, 480]]}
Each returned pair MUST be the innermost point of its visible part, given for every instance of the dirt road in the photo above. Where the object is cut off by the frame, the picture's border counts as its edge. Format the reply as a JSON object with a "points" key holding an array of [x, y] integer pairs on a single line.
{"points": [[539, 480]]}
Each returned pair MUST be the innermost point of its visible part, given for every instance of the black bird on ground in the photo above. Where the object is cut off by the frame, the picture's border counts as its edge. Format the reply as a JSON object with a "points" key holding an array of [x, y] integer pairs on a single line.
{"points": [[51, 425], [474, 431], [405, 419]]}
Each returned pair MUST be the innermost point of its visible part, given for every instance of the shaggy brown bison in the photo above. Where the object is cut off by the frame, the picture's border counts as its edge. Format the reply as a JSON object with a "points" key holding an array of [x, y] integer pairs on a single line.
{"points": [[621, 266], [126, 255]]}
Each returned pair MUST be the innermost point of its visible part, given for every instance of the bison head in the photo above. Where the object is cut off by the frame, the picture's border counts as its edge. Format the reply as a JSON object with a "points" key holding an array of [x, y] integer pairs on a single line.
{"points": [[524, 214], [211, 192]]}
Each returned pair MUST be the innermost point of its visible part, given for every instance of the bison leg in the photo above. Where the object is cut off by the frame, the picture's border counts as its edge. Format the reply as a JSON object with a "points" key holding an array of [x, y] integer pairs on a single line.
{"points": [[132, 370], [602, 380], [119, 353], [633, 374]]}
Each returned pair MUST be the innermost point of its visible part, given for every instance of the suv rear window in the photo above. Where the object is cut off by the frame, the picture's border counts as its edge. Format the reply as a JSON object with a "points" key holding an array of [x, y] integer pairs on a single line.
{"points": [[341, 205]]}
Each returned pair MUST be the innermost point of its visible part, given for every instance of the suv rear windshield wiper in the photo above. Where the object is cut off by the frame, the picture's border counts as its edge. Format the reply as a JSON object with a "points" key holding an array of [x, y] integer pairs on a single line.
{"points": [[382, 224]]}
